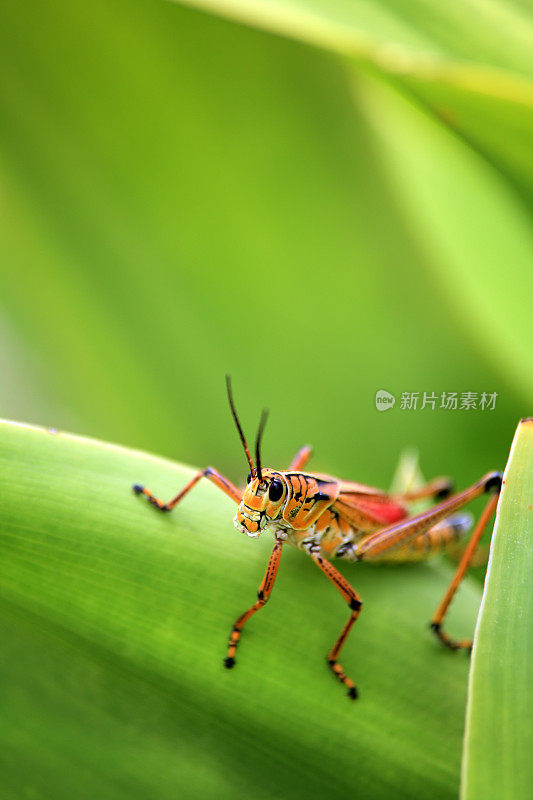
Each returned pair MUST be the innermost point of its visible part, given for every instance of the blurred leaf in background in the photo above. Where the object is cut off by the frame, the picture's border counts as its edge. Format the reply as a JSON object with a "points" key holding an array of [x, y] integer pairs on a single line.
{"points": [[184, 196], [325, 199]]}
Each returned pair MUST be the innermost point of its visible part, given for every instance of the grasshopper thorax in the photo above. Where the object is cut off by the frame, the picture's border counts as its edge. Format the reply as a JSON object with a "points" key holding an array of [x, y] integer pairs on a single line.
{"points": [[262, 502]]}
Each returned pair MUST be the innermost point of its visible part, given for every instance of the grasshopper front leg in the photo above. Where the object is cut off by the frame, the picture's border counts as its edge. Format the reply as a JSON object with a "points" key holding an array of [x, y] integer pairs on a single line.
{"points": [[263, 595], [210, 473]]}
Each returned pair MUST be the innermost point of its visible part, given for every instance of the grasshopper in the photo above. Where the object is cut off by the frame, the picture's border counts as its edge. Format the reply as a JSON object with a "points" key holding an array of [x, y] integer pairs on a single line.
{"points": [[328, 518]]}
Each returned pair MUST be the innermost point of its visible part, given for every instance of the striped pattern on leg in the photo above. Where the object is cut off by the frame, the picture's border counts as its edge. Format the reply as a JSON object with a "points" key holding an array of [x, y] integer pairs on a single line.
{"points": [[210, 473], [262, 597], [354, 601]]}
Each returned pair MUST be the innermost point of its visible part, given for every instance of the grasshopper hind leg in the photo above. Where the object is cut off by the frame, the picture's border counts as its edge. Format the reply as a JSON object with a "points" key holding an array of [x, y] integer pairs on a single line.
{"points": [[403, 535], [440, 613]]}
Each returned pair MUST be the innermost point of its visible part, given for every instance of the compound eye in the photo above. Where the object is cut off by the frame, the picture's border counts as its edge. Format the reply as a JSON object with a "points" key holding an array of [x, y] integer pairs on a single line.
{"points": [[275, 490], [249, 478]]}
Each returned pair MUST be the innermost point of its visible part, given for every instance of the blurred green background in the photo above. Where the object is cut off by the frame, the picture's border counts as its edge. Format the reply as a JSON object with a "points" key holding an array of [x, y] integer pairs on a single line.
{"points": [[183, 196], [324, 199]]}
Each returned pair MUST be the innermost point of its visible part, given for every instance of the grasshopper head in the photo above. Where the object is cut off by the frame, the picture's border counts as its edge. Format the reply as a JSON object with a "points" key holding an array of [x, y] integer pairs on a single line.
{"points": [[261, 502], [266, 489]]}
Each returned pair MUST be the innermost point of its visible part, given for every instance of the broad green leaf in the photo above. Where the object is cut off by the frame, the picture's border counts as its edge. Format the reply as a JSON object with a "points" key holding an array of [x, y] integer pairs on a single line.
{"points": [[115, 621], [499, 734]]}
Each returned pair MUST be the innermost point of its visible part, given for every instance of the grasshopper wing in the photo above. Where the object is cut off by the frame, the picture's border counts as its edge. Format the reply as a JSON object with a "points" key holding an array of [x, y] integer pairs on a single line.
{"points": [[366, 508]]}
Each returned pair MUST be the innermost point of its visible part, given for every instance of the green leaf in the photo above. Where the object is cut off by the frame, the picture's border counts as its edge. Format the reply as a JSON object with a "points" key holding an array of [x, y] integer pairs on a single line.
{"points": [[420, 35], [499, 737], [484, 225], [115, 621], [473, 73]]}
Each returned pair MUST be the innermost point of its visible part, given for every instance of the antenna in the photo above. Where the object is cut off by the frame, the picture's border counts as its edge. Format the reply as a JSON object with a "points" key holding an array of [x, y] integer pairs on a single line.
{"points": [[238, 424], [262, 423]]}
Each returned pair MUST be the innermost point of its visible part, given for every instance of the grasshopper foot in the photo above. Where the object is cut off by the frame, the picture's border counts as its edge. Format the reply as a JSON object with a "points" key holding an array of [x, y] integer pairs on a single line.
{"points": [[447, 641]]}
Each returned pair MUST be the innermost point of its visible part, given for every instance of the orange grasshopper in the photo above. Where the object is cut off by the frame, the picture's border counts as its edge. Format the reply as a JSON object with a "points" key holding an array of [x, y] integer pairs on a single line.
{"points": [[330, 518]]}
